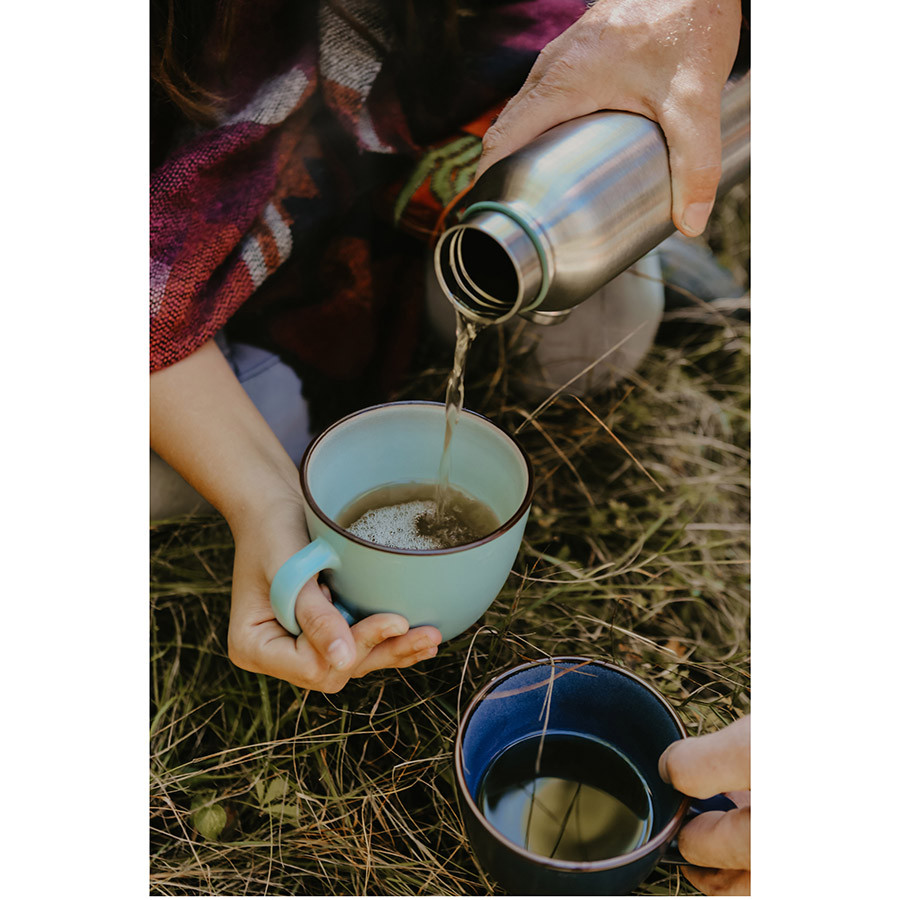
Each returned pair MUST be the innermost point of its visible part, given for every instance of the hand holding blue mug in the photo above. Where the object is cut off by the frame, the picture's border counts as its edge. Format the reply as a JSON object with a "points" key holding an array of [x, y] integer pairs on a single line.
{"points": [[562, 789], [717, 843]]}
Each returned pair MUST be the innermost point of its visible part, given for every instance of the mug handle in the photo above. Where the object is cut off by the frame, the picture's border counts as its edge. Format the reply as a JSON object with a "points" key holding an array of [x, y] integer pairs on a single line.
{"points": [[720, 802], [293, 574]]}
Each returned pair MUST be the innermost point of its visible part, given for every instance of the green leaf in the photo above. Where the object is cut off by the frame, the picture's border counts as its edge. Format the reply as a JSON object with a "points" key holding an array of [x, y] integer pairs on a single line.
{"points": [[277, 790], [284, 811], [208, 818]]}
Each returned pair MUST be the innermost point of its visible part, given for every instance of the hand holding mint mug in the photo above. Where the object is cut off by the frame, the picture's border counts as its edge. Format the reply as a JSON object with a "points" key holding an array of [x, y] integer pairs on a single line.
{"points": [[329, 652], [397, 444]]}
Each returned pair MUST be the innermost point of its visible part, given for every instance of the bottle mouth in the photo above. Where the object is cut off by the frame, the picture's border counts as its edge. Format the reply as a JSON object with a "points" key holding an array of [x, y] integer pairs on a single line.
{"points": [[488, 267], [477, 275]]}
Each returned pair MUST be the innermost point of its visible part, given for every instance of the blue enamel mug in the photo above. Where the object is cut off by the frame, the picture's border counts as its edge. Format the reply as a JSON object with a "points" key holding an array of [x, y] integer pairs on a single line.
{"points": [[592, 700], [399, 443]]}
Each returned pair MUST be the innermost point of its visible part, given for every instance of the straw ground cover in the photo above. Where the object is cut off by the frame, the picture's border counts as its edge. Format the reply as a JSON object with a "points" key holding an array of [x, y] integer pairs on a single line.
{"points": [[636, 552]]}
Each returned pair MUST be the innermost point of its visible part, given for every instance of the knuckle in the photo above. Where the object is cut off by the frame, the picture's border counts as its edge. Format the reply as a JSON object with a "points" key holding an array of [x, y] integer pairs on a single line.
{"points": [[544, 58], [704, 180], [562, 70], [549, 54], [399, 659], [561, 80], [698, 93], [565, 84], [417, 657], [492, 139], [318, 625], [706, 175]]}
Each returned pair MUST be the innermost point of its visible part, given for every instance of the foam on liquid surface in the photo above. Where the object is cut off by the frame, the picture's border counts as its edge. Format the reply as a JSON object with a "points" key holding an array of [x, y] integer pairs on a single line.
{"points": [[397, 526]]}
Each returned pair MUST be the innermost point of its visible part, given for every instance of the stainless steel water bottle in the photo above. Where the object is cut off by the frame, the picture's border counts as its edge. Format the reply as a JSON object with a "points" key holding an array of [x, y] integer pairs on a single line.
{"points": [[548, 226]]}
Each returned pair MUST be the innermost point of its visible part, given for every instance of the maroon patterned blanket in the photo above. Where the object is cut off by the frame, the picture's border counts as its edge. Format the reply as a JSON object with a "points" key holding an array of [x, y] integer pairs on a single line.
{"points": [[278, 219]]}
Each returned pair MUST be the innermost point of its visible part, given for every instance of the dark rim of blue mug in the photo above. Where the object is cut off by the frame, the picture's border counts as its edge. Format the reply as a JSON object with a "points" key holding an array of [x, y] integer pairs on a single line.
{"points": [[659, 842], [504, 527]]}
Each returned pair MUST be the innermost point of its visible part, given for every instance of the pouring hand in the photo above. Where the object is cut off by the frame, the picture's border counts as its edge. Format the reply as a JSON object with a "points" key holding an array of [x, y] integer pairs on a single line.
{"points": [[719, 841], [665, 59]]}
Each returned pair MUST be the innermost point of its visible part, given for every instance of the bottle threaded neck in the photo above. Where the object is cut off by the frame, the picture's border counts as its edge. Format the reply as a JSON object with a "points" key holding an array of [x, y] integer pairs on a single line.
{"points": [[488, 266]]}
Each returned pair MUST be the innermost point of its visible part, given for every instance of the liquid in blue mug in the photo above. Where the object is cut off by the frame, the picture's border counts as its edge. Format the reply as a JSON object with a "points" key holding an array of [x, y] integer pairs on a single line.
{"points": [[401, 443]]}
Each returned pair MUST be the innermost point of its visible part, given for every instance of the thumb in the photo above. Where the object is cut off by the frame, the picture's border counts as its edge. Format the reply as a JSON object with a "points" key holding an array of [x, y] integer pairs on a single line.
{"points": [[704, 766], [324, 627], [694, 138]]}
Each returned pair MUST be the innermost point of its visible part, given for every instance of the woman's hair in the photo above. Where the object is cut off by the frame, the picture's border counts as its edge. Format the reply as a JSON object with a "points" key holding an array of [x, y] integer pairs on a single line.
{"points": [[185, 37], [191, 44]]}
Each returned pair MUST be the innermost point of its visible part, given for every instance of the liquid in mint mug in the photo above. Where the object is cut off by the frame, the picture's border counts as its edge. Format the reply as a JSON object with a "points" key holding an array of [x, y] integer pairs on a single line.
{"points": [[399, 443]]}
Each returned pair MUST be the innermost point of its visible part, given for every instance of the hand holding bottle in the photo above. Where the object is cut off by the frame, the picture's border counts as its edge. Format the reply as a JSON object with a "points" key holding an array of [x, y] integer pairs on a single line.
{"points": [[665, 59]]}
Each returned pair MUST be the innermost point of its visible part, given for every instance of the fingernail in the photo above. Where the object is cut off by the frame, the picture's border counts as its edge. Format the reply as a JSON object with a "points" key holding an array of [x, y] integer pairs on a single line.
{"points": [[427, 654], [339, 654], [695, 216], [395, 630]]}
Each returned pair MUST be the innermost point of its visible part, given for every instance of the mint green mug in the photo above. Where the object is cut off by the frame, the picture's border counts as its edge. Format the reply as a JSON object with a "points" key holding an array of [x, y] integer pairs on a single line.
{"points": [[398, 443]]}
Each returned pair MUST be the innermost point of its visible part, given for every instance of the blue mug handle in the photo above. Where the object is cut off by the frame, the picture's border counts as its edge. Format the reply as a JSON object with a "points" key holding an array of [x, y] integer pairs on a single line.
{"points": [[718, 803], [293, 574]]}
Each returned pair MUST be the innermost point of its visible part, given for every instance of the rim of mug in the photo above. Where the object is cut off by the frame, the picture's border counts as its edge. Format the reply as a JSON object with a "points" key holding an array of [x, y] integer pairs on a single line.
{"points": [[660, 841], [501, 529]]}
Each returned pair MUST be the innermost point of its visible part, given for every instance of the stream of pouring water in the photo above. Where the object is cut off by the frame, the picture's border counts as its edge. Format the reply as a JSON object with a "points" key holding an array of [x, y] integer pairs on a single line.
{"points": [[466, 332]]}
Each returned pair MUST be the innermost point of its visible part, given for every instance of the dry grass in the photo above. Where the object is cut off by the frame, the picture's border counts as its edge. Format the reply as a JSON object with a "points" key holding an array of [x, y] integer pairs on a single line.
{"points": [[636, 552]]}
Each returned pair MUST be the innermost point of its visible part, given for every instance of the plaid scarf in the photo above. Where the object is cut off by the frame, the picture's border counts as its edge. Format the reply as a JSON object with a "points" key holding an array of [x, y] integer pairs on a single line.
{"points": [[292, 219]]}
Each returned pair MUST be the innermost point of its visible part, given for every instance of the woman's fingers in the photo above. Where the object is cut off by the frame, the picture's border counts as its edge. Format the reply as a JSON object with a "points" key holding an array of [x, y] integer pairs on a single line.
{"points": [[328, 651], [534, 110], [719, 882], [560, 86], [298, 661], [717, 840], [374, 630], [739, 798], [294, 660], [704, 766], [397, 653], [374, 643]]}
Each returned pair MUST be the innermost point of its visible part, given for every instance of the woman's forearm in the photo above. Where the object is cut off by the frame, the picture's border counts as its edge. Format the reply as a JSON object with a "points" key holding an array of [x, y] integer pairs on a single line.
{"points": [[206, 427]]}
